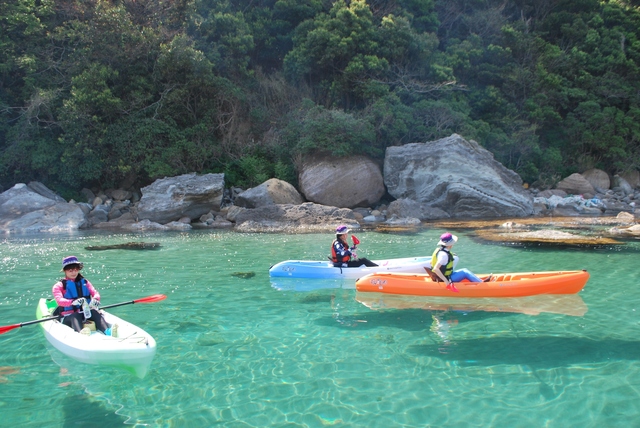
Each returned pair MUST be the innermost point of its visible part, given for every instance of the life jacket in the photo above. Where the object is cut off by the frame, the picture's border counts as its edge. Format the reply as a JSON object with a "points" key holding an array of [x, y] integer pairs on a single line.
{"points": [[335, 258], [75, 290], [447, 269]]}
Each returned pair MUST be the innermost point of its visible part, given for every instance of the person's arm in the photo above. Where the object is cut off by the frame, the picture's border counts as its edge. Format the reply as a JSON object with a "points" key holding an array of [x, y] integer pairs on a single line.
{"points": [[58, 295], [342, 249], [436, 269], [92, 291], [347, 249]]}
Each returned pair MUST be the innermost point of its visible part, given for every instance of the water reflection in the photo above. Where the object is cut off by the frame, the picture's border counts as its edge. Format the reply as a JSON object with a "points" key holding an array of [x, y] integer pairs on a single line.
{"points": [[442, 328], [445, 311], [310, 284], [565, 304]]}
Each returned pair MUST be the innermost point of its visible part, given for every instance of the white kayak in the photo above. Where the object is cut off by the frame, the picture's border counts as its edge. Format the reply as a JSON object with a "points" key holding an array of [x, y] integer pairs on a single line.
{"points": [[325, 269], [133, 349]]}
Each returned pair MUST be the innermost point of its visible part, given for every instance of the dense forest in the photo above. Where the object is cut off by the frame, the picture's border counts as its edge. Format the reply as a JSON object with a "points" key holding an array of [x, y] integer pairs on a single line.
{"points": [[107, 93]]}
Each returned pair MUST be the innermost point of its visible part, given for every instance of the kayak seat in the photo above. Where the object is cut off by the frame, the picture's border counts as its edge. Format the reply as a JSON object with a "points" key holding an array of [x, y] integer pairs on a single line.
{"points": [[434, 277]]}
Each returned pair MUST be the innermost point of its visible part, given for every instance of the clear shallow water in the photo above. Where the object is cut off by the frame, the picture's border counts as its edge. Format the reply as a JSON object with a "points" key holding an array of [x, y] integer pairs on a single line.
{"points": [[246, 351]]}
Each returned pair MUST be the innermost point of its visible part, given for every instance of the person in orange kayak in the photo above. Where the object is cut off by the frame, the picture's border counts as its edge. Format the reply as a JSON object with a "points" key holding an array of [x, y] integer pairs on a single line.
{"points": [[443, 263], [342, 255], [78, 301]]}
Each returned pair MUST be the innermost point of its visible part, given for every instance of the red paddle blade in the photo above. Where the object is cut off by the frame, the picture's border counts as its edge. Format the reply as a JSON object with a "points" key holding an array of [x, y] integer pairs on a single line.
{"points": [[7, 328], [151, 299], [355, 240]]}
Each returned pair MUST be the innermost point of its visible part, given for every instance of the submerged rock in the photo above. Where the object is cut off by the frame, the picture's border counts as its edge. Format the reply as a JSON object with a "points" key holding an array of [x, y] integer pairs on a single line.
{"points": [[244, 275], [126, 246]]}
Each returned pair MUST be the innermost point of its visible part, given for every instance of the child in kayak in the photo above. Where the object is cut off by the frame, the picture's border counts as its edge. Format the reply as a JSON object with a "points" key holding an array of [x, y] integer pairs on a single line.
{"points": [[342, 255], [443, 263], [78, 301]]}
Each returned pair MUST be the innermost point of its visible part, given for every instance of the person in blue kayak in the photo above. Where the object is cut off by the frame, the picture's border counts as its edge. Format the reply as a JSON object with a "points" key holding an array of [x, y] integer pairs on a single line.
{"points": [[78, 301], [342, 255], [443, 263]]}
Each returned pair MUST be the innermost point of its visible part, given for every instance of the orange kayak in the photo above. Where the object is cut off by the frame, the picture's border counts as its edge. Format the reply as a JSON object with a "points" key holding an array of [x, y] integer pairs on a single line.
{"points": [[500, 285]]}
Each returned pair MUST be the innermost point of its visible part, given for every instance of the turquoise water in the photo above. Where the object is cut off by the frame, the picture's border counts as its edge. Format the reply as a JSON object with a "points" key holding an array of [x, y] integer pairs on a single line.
{"points": [[244, 351]]}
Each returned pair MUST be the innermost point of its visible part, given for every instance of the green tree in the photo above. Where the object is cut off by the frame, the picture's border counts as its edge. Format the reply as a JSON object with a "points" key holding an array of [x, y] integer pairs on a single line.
{"points": [[28, 97], [315, 129]]}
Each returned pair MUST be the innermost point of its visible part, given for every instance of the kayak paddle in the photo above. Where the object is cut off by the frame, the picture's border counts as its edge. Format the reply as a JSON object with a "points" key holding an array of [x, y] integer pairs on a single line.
{"points": [[356, 241], [148, 299]]}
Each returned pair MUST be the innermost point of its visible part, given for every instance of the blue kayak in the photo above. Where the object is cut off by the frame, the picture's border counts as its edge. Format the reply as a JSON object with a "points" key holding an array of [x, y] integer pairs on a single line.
{"points": [[325, 269]]}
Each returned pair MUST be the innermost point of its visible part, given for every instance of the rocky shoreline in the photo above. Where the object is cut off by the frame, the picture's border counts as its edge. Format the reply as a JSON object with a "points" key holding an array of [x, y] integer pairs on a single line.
{"points": [[420, 184], [572, 231]]}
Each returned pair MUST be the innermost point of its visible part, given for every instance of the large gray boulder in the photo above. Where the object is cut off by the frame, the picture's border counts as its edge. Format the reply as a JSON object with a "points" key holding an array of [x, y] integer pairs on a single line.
{"points": [[632, 177], [576, 184], [61, 217], [188, 195], [24, 210], [598, 179], [21, 200], [456, 176], [43, 190], [622, 184], [272, 191], [408, 208], [354, 181]]}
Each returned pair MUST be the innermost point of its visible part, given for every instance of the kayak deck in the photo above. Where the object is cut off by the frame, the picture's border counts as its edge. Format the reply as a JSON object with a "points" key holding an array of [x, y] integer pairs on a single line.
{"points": [[500, 285], [133, 349]]}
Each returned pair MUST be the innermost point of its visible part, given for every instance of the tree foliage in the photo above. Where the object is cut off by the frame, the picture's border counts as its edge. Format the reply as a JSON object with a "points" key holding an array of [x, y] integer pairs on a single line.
{"points": [[98, 92]]}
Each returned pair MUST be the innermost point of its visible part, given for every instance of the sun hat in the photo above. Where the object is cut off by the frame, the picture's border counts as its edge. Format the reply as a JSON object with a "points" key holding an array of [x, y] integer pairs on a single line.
{"points": [[342, 229], [447, 239], [71, 260]]}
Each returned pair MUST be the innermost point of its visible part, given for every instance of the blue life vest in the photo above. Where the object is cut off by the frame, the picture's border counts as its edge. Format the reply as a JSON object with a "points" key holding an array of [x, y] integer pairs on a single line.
{"points": [[74, 291]]}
